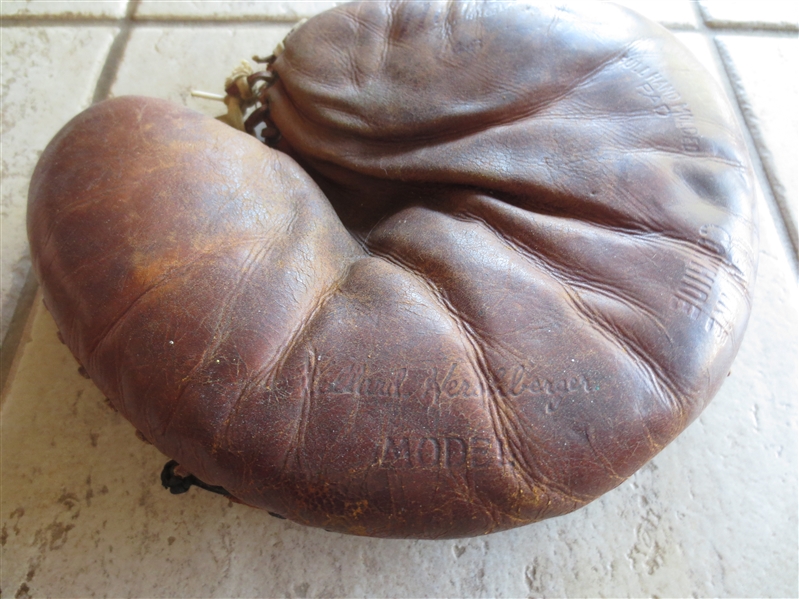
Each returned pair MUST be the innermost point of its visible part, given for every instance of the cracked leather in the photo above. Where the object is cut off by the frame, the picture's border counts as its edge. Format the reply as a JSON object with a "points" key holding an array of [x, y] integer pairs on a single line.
{"points": [[502, 255]]}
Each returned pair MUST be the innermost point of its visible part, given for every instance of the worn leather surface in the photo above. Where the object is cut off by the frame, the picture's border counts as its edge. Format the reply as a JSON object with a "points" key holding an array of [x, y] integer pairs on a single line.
{"points": [[501, 257]]}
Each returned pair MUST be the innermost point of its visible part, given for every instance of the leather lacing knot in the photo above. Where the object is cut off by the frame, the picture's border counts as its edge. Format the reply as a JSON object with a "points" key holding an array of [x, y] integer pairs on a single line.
{"points": [[245, 96], [178, 484]]}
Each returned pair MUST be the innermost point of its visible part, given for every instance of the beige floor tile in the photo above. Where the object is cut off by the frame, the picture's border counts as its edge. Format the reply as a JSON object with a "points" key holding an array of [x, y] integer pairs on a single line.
{"points": [[678, 13], [703, 49], [243, 10], [14, 255], [83, 514], [48, 76], [772, 14], [63, 9], [670, 13], [167, 62], [713, 515], [763, 72]]}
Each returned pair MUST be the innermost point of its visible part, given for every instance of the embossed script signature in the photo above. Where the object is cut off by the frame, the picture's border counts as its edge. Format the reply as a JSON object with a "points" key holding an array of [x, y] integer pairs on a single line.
{"points": [[456, 381]]}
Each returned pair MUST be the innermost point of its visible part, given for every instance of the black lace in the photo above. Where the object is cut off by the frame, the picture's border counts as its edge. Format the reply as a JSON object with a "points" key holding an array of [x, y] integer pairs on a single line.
{"points": [[180, 484]]}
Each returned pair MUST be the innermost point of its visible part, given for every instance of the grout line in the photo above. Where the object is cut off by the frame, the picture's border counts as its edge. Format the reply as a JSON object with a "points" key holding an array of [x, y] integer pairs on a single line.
{"points": [[115, 53], [730, 27], [17, 326], [747, 113], [727, 26], [748, 29], [54, 21], [773, 200], [22, 311], [771, 186], [699, 11], [753, 32], [150, 22], [216, 22]]}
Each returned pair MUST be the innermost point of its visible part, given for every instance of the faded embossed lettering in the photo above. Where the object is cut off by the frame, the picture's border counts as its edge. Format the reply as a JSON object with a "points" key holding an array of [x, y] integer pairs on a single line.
{"points": [[480, 452], [429, 452], [720, 320], [434, 385], [444, 452], [735, 253], [715, 239], [397, 452], [354, 380], [695, 298], [694, 289], [666, 101], [524, 379], [455, 452]]}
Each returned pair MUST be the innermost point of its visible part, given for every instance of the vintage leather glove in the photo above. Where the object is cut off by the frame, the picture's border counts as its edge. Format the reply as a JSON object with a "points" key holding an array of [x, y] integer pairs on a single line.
{"points": [[502, 255]]}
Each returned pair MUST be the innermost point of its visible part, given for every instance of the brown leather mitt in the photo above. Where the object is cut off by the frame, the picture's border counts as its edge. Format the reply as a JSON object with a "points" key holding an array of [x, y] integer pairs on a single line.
{"points": [[502, 255]]}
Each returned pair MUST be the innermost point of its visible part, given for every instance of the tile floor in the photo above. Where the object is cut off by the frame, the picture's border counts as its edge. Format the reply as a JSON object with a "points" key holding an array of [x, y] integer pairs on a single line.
{"points": [[714, 515]]}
